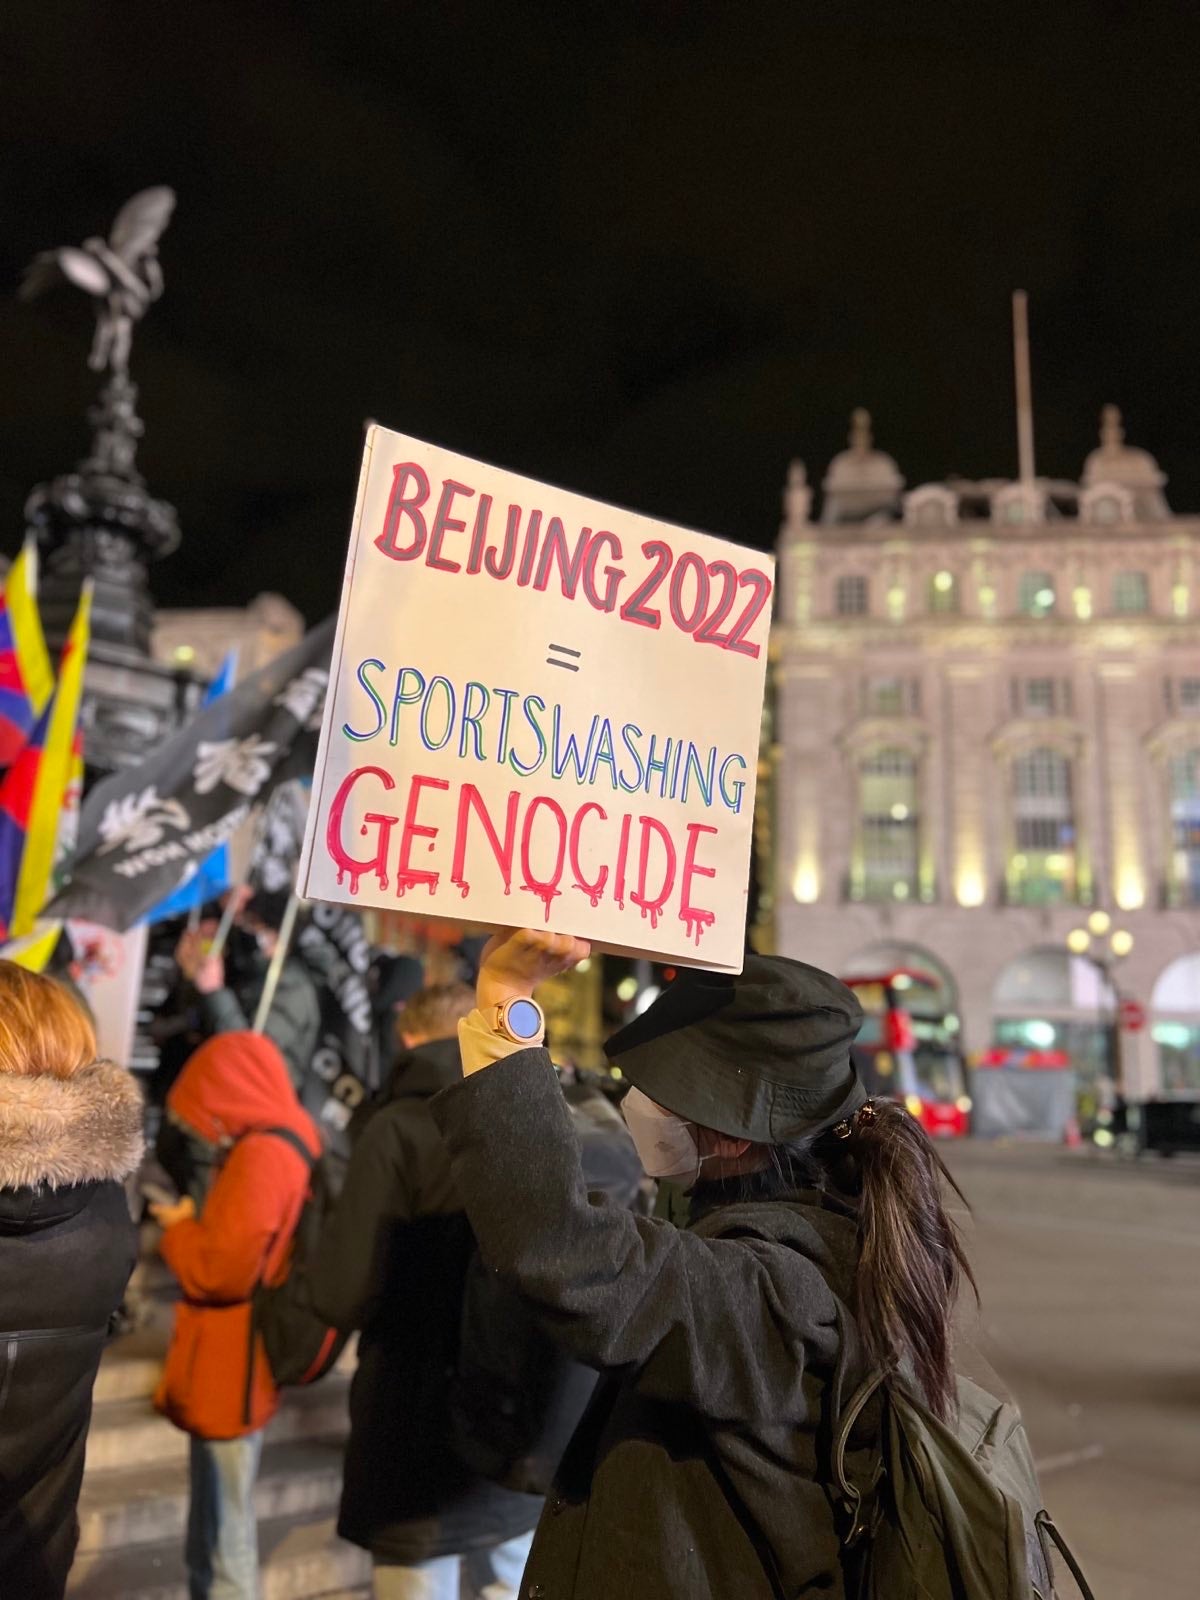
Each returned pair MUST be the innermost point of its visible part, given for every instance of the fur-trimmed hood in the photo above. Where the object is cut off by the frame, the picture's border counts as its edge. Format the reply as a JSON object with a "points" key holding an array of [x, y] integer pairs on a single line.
{"points": [[63, 1131]]}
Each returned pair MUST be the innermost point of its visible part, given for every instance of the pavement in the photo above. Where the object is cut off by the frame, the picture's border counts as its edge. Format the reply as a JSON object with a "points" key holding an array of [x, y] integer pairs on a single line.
{"points": [[1089, 1273]]}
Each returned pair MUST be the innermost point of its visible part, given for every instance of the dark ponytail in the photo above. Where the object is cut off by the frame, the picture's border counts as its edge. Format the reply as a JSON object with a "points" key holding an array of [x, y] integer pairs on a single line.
{"points": [[911, 1261]]}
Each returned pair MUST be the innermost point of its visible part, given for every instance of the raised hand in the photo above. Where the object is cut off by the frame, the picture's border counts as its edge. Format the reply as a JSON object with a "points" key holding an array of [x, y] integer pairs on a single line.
{"points": [[515, 961]]}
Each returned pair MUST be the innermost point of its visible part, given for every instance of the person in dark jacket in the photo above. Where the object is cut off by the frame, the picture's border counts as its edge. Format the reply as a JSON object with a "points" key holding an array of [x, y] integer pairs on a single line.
{"points": [[230, 985], [817, 1250], [70, 1134], [392, 1263], [392, 981], [228, 988]]}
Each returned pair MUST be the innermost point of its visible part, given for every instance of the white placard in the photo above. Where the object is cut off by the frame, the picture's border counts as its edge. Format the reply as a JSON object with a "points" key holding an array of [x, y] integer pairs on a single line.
{"points": [[108, 968], [543, 710]]}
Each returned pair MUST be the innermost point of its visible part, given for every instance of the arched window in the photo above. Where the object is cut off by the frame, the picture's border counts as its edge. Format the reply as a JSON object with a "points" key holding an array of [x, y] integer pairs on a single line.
{"points": [[1050, 1000], [1183, 773], [1035, 594], [1042, 868], [1106, 508], [887, 811], [943, 594]]}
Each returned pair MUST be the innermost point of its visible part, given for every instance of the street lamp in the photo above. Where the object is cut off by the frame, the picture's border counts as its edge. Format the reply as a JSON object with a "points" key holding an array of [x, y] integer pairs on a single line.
{"points": [[1104, 946]]}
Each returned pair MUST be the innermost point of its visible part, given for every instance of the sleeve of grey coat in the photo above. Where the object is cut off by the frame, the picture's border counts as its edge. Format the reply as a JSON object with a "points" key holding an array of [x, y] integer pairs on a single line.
{"points": [[222, 1013], [723, 1324]]}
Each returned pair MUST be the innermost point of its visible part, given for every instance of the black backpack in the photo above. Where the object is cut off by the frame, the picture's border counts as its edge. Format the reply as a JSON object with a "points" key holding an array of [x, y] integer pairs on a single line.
{"points": [[301, 1347], [516, 1398]]}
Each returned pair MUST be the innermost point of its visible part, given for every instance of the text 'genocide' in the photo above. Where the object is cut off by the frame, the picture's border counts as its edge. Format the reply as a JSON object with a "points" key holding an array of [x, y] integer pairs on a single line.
{"points": [[583, 851]]}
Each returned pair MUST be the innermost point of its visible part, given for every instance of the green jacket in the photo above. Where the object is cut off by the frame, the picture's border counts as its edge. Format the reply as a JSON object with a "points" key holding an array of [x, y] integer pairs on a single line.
{"points": [[700, 1470], [293, 1022]]}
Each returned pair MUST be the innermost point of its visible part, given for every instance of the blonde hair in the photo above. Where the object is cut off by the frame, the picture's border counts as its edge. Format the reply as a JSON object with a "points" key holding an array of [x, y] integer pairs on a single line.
{"points": [[44, 1031], [435, 1013]]}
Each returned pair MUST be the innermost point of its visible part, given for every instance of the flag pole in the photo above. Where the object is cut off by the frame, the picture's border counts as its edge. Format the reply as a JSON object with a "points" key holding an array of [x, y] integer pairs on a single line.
{"points": [[229, 911], [234, 893], [271, 982], [1020, 303]]}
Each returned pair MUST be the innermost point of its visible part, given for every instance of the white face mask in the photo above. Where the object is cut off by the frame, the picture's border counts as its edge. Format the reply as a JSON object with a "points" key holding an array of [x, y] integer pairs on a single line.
{"points": [[666, 1144]]}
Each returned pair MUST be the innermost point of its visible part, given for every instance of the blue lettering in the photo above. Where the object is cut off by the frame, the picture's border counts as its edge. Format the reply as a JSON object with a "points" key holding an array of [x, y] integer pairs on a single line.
{"points": [[661, 767], [514, 761], [732, 794], [604, 754], [705, 779], [374, 697], [570, 752], [445, 739], [632, 786], [404, 697], [472, 720], [506, 698]]}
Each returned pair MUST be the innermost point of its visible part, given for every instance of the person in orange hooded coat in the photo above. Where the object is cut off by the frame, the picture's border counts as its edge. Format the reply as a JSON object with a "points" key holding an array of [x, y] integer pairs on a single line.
{"points": [[216, 1385]]}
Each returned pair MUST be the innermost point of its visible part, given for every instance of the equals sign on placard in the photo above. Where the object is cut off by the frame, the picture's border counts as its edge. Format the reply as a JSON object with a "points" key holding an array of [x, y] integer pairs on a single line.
{"points": [[564, 650]]}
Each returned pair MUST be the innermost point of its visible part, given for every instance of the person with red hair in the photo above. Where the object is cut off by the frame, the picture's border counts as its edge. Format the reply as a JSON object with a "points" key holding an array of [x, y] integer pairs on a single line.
{"points": [[235, 1096], [70, 1134]]}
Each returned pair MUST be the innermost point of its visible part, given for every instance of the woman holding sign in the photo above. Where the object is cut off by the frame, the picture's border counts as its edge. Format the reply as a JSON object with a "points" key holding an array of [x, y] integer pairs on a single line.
{"points": [[817, 1250]]}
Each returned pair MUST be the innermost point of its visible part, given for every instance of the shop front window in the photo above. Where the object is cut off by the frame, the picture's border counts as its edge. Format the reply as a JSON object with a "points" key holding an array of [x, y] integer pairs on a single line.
{"points": [[1175, 1026]]}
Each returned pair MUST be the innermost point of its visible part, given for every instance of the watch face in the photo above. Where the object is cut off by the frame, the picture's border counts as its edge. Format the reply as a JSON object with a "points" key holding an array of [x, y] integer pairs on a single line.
{"points": [[523, 1018]]}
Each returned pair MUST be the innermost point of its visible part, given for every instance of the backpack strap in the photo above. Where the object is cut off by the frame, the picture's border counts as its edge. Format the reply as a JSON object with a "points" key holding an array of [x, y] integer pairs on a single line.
{"points": [[290, 1137], [852, 1496], [1044, 1520]]}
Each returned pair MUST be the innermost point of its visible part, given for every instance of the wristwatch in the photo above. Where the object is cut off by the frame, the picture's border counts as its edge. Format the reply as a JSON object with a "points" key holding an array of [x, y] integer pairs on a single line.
{"points": [[520, 1021]]}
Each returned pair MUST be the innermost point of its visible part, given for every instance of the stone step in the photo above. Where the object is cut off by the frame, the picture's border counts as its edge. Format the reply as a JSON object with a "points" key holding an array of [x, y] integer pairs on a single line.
{"points": [[137, 1504], [301, 1559], [131, 1366], [125, 1431]]}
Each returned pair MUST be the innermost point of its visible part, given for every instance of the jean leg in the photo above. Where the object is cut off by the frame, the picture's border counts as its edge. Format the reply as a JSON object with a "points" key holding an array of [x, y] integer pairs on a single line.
{"points": [[222, 1547], [495, 1574], [425, 1580], [202, 1520]]}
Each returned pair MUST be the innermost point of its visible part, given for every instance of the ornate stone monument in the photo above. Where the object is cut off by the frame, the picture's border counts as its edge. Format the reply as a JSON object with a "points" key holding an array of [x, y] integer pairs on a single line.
{"points": [[100, 521]]}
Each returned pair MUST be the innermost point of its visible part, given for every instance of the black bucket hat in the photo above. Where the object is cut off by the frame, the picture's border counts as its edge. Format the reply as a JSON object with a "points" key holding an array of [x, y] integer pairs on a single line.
{"points": [[762, 1056]]}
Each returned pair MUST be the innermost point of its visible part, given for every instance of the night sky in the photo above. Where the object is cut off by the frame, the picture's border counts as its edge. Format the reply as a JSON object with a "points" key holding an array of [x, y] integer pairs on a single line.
{"points": [[647, 250]]}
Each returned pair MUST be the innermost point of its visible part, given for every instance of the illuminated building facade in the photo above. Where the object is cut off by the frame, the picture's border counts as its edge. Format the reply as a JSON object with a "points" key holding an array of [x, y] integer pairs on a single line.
{"points": [[985, 749], [199, 640]]}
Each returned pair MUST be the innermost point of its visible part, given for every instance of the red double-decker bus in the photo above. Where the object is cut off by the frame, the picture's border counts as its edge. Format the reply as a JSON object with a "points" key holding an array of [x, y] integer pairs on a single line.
{"points": [[907, 1049]]}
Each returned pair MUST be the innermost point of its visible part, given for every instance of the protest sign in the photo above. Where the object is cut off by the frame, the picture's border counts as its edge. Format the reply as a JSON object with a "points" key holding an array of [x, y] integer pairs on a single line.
{"points": [[108, 968], [543, 710]]}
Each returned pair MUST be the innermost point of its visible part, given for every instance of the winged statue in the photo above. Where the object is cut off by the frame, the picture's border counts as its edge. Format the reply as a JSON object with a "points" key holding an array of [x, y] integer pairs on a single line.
{"points": [[121, 274]]}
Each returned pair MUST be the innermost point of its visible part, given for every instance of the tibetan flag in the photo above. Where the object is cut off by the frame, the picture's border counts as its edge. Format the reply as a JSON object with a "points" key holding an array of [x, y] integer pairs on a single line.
{"points": [[35, 949], [36, 787], [68, 817], [26, 681]]}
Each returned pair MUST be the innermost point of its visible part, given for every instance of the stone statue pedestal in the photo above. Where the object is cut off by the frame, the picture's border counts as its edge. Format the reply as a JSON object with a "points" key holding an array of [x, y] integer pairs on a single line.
{"points": [[101, 522]]}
